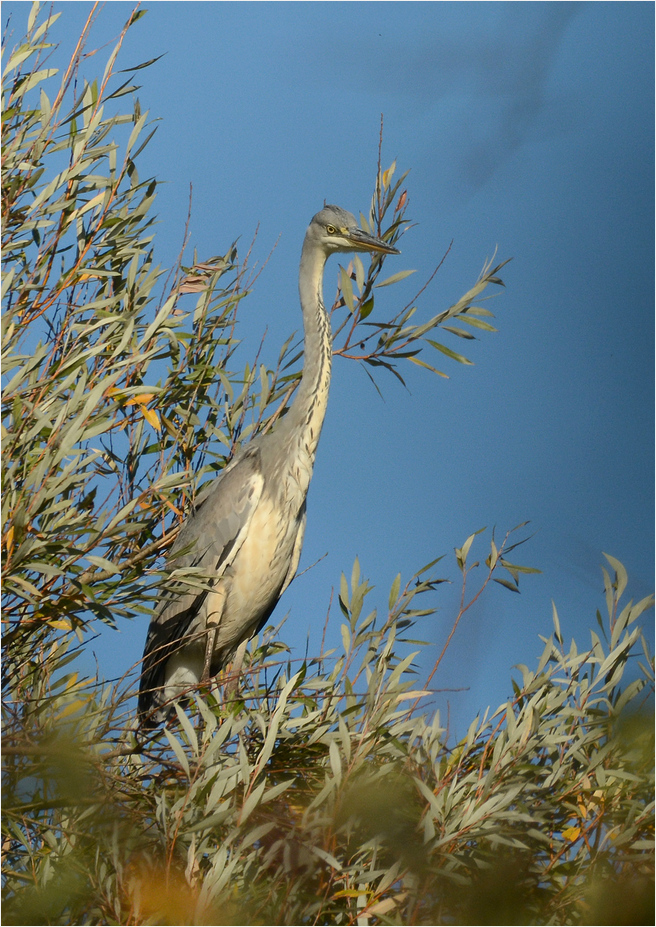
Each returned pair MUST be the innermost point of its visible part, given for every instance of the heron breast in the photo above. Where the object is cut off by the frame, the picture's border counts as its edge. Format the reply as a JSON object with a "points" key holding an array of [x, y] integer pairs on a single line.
{"points": [[258, 571]]}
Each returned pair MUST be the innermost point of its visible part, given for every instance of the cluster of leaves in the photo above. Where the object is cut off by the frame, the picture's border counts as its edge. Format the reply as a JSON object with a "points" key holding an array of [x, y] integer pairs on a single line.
{"points": [[385, 343], [321, 795], [324, 793], [118, 402]]}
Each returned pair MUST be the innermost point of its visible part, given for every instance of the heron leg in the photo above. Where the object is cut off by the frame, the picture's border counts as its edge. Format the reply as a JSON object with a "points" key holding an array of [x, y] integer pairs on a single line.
{"points": [[215, 605], [209, 650], [232, 685]]}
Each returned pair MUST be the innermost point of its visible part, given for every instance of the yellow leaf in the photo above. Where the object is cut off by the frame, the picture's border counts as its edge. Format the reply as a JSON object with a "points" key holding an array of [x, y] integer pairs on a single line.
{"points": [[165, 897], [151, 417], [62, 624], [72, 707], [141, 398], [10, 540], [388, 174], [175, 510], [572, 833]]}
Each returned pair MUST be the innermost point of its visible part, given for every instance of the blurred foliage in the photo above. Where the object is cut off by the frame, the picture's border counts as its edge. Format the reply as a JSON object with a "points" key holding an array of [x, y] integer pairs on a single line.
{"points": [[327, 790]]}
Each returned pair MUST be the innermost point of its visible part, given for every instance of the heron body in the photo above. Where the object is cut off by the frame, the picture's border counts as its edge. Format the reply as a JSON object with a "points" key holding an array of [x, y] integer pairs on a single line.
{"points": [[246, 530]]}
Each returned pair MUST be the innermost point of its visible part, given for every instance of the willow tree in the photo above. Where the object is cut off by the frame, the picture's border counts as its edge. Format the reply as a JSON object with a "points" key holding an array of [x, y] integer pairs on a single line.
{"points": [[329, 793]]}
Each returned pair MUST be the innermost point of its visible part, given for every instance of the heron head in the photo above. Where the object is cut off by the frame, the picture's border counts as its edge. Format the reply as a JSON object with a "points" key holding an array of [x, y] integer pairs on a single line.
{"points": [[335, 229]]}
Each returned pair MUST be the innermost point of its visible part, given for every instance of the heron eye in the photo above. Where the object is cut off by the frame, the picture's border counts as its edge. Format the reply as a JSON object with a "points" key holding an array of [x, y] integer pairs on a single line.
{"points": [[331, 229]]}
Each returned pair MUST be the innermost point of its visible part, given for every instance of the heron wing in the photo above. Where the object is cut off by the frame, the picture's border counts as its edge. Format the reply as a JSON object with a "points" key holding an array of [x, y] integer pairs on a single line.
{"points": [[208, 542], [298, 544]]}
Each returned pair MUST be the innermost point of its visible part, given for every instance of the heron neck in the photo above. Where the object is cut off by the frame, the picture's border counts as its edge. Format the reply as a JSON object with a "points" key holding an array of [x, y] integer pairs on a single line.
{"points": [[306, 415]]}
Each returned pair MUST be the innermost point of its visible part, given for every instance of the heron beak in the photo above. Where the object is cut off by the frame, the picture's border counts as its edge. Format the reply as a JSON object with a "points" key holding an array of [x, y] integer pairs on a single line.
{"points": [[362, 241]]}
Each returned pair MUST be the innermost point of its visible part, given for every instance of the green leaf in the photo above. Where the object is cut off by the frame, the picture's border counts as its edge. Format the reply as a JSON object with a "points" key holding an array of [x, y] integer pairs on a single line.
{"points": [[475, 323], [556, 623], [347, 289], [463, 552], [394, 591], [494, 555], [359, 272], [346, 637], [31, 19], [422, 363], [355, 575], [506, 582], [519, 569], [401, 275], [449, 353], [252, 802], [620, 572], [177, 749], [460, 332], [343, 592], [366, 308]]}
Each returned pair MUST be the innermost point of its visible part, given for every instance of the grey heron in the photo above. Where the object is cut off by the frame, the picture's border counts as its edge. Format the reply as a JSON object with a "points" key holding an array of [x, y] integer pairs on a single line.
{"points": [[246, 530]]}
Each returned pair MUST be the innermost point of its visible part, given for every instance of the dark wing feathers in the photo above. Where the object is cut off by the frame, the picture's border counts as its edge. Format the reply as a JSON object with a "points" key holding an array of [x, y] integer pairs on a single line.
{"points": [[208, 541]]}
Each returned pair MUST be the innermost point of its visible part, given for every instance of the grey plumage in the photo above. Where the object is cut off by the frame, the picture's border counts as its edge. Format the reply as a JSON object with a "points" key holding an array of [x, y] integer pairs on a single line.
{"points": [[246, 529]]}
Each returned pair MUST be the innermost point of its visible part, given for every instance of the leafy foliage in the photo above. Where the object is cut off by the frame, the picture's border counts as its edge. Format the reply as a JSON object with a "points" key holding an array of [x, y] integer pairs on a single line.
{"points": [[326, 790]]}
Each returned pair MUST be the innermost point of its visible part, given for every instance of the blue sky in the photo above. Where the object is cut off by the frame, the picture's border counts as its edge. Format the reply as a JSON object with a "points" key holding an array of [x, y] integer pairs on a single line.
{"points": [[527, 127]]}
